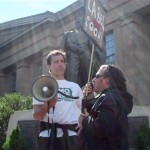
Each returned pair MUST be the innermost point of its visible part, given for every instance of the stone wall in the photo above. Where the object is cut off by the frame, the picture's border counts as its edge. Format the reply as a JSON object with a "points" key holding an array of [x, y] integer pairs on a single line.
{"points": [[29, 130], [29, 127]]}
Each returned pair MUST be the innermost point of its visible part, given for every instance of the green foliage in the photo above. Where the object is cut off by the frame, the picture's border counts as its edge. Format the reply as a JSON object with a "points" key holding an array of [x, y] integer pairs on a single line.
{"points": [[8, 104], [15, 141], [142, 138]]}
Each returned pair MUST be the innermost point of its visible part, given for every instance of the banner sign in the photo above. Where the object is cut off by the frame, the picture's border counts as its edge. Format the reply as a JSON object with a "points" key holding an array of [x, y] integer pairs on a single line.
{"points": [[94, 20]]}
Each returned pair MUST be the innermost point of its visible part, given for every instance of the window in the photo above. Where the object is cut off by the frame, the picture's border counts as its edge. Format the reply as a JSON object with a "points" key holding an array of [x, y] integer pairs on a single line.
{"points": [[110, 48]]}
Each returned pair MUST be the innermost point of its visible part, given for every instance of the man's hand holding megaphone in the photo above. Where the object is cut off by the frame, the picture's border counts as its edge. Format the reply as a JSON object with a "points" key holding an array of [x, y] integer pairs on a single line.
{"points": [[52, 102], [41, 110]]}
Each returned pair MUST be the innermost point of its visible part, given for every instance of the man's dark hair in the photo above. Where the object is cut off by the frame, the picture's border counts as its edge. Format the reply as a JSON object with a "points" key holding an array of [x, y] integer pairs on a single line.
{"points": [[54, 53]]}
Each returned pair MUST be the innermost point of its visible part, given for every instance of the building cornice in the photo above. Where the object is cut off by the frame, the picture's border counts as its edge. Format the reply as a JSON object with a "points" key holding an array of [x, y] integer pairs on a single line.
{"points": [[26, 31], [28, 20]]}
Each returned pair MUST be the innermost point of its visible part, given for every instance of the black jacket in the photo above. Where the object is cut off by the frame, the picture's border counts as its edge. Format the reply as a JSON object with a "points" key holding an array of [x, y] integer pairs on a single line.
{"points": [[107, 126]]}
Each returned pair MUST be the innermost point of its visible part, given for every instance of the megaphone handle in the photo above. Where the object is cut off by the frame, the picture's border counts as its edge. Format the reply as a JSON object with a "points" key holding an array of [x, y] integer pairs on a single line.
{"points": [[48, 103], [53, 132]]}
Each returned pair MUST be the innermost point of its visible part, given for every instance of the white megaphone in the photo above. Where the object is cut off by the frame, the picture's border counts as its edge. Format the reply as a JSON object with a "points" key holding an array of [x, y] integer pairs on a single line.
{"points": [[44, 88]]}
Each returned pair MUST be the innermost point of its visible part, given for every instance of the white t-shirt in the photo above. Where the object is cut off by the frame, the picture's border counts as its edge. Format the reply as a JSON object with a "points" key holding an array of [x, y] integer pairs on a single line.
{"points": [[66, 110]]}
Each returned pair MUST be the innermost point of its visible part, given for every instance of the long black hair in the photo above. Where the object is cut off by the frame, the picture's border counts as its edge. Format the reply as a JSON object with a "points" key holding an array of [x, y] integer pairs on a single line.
{"points": [[116, 76]]}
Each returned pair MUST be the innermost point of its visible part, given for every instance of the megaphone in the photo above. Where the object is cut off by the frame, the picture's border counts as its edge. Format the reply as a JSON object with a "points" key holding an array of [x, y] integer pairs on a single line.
{"points": [[44, 88]]}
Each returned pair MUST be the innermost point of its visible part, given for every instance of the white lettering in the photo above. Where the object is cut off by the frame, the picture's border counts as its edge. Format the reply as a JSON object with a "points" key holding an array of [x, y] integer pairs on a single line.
{"points": [[86, 22], [95, 32], [100, 35], [93, 10], [99, 18], [94, 21], [102, 24], [91, 26], [89, 1]]}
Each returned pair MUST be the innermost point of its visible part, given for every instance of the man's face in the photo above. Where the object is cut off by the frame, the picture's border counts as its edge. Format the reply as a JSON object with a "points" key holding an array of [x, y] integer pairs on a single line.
{"points": [[57, 66], [100, 82]]}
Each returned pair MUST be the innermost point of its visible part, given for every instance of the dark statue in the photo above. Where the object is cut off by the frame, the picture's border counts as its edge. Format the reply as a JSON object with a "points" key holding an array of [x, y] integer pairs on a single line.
{"points": [[78, 47]]}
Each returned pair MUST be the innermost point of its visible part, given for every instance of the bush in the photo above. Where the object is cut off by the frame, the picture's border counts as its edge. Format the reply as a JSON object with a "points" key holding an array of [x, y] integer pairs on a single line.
{"points": [[142, 138], [15, 141], [8, 104]]}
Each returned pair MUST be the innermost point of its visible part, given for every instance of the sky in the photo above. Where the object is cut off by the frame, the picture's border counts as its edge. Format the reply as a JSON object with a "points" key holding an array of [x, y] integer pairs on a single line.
{"points": [[15, 9]]}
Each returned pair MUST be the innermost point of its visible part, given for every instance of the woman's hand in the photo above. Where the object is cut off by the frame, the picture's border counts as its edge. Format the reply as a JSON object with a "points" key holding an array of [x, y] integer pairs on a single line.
{"points": [[88, 91], [79, 129], [79, 126]]}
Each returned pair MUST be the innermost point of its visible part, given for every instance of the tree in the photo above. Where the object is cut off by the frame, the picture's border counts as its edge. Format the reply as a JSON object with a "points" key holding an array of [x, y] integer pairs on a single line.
{"points": [[15, 141], [8, 104], [142, 138]]}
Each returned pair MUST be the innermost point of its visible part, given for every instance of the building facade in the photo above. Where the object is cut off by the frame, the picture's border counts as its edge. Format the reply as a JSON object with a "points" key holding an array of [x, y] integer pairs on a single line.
{"points": [[25, 43]]}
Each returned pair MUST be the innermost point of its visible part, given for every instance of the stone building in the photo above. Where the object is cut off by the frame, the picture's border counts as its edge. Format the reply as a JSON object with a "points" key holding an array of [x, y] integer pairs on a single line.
{"points": [[25, 42]]}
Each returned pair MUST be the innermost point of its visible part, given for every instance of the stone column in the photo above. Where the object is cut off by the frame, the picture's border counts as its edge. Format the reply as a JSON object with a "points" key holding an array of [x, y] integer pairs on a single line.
{"points": [[2, 83], [135, 57], [44, 63], [23, 84]]}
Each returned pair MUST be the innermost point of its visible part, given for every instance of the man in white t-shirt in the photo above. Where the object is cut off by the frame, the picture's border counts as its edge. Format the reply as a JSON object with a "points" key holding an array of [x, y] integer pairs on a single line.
{"points": [[57, 125]]}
